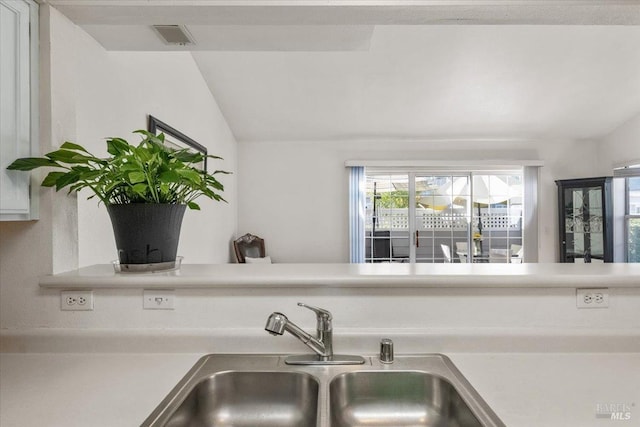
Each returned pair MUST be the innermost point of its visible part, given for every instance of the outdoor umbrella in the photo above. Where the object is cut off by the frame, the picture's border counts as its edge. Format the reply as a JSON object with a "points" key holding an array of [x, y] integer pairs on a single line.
{"points": [[487, 190]]}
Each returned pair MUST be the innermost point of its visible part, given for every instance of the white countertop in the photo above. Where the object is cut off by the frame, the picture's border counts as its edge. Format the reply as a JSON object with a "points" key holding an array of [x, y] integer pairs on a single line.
{"points": [[111, 390], [549, 275]]}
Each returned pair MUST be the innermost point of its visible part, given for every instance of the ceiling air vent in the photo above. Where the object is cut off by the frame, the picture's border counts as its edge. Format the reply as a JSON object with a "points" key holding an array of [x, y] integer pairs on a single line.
{"points": [[174, 34]]}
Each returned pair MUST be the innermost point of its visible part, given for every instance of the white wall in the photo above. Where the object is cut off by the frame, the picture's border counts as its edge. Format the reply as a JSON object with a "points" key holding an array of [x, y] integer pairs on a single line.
{"points": [[622, 146], [114, 92], [88, 94], [34, 248], [230, 320], [294, 194]]}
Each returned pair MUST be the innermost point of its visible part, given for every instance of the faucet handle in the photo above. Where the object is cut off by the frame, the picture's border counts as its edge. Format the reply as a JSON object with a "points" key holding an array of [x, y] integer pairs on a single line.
{"points": [[321, 313]]}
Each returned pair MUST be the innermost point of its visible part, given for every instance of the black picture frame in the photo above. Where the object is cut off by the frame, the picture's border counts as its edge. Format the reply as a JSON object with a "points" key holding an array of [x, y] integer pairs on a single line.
{"points": [[175, 138]]}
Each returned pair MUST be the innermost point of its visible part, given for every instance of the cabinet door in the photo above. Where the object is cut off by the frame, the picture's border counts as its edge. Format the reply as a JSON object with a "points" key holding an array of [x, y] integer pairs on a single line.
{"points": [[17, 91], [585, 220]]}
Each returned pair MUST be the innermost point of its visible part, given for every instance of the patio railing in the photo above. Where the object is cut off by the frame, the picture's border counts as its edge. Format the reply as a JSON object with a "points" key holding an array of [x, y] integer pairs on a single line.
{"points": [[429, 221]]}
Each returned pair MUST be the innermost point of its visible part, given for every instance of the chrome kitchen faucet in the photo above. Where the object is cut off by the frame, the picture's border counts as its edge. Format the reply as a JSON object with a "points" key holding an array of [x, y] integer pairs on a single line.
{"points": [[321, 344]]}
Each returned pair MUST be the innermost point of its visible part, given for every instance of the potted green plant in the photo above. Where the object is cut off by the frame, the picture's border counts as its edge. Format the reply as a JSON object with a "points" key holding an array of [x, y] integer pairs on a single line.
{"points": [[145, 188]]}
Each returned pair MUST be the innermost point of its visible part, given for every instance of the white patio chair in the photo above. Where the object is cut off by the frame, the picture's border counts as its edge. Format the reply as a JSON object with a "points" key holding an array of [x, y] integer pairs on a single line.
{"points": [[499, 255], [446, 251], [462, 251], [516, 254]]}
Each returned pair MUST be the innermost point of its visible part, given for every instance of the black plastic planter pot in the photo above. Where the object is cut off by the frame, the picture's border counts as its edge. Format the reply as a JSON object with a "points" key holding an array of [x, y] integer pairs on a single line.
{"points": [[146, 233]]}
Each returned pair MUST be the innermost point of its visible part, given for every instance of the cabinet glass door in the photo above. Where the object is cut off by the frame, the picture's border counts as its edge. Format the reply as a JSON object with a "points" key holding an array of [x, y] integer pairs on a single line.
{"points": [[584, 224], [586, 220]]}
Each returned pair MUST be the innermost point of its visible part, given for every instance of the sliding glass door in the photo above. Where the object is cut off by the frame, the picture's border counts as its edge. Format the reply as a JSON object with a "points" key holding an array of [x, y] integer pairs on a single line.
{"points": [[387, 230], [443, 217]]}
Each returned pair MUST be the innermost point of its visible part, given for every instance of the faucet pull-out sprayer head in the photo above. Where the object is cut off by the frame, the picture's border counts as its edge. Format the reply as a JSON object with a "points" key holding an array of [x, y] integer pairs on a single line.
{"points": [[276, 323]]}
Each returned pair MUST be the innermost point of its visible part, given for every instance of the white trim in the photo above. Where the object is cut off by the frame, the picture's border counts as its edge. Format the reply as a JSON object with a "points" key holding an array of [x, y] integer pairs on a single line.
{"points": [[34, 29], [626, 172], [619, 189], [249, 340], [413, 238], [455, 171], [448, 164], [323, 277], [530, 226], [626, 164]]}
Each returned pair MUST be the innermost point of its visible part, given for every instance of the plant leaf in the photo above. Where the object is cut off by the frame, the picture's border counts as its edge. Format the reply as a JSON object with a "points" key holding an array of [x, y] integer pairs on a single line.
{"points": [[73, 146], [67, 179], [194, 206], [145, 133], [135, 177], [128, 167], [117, 146], [140, 189], [51, 178], [186, 156], [68, 156], [30, 163], [190, 174], [170, 176]]}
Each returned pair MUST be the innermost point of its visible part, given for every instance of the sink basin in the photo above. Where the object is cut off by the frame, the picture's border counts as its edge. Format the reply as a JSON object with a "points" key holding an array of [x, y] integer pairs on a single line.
{"points": [[396, 399], [262, 390], [250, 399]]}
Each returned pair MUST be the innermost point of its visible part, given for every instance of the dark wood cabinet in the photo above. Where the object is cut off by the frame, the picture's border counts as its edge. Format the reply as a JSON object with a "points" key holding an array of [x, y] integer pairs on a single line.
{"points": [[585, 209]]}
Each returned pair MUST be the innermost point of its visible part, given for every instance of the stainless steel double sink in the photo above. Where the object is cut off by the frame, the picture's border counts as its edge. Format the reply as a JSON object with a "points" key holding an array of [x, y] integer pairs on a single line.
{"points": [[243, 390]]}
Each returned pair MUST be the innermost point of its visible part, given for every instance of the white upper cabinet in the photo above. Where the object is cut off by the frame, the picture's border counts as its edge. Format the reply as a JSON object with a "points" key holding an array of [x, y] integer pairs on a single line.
{"points": [[18, 104]]}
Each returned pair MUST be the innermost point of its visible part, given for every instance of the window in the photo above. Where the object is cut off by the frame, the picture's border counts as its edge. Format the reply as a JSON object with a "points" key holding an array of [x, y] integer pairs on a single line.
{"points": [[627, 200], [429, 217], [632, 219]]}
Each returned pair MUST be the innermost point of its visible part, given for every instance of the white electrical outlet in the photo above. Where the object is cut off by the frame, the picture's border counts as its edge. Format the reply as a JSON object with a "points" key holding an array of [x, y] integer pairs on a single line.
{"points": [[158, 299], [76, 300], [592, 298]]}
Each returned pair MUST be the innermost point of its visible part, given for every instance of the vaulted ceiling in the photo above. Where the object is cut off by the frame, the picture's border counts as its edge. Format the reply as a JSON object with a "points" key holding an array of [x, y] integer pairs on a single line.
{"points": [[311, 70]]}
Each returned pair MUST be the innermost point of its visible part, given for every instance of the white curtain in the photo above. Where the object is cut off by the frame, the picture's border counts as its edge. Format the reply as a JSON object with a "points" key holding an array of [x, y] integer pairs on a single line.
{"points": [[357, 200], [530, 226]]}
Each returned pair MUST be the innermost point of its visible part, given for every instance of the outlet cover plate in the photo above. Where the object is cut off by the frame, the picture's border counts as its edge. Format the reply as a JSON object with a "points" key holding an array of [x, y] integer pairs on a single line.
{"points": [[592, 297], [76, 300]]}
